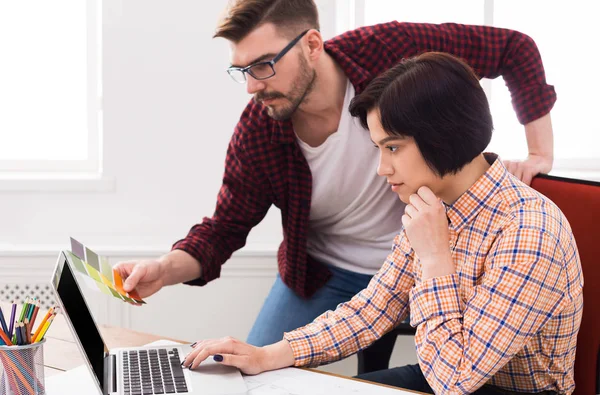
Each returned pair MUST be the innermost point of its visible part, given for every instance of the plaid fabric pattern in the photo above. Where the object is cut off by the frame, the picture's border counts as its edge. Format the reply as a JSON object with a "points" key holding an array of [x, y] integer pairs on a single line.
{"points": [[265, 165], [508, 317]]}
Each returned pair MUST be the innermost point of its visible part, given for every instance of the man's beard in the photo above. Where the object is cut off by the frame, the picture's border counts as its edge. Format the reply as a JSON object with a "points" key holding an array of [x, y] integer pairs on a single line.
{"points": [[301, 87]]}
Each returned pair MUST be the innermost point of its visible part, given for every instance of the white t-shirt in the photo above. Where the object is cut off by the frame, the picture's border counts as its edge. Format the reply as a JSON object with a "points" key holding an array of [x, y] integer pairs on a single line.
{"points": [[354, 215]]}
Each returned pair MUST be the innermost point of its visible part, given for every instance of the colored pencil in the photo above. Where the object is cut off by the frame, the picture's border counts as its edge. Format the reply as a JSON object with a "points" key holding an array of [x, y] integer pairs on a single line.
{"points": [[29, 311], [31, 308], [20, 375], [39, 329], [12, 319], [44, 330], [26, 331], [5, 338], [19, 370], [24, 309], [3, 322], [34, 316], [19, 334], [11, 375]]}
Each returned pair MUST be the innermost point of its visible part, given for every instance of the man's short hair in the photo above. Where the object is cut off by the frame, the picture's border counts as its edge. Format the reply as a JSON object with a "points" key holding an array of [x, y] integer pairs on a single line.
{"points": [[289, 16], [436, 99]]}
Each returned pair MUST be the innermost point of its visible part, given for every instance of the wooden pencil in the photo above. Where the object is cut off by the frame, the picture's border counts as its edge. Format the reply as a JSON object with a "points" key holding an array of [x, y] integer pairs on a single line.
{"points": [[34, 316], [5, 338], [12, 319], [39, 329], [44, 330]]}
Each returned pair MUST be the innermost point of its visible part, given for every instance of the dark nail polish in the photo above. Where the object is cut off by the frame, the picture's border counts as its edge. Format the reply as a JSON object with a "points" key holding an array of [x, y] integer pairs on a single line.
{"points": [[194, 344], [218, 358], [190, 367], [182, 362]]}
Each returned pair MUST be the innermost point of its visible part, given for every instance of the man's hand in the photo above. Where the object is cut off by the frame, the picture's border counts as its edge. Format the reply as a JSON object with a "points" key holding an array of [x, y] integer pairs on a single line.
{"points": [[426, 226], [149, 276], [530, 167], [540, 144], [145, 276], [249, 359]]}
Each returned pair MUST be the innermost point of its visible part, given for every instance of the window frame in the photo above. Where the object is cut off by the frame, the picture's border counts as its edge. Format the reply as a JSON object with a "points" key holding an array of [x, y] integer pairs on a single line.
{"points": [[27, 169]]}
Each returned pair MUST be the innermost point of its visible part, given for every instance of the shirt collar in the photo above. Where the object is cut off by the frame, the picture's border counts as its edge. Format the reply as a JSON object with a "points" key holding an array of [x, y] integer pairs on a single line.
{"points": [[359, 77], [479, 195]]}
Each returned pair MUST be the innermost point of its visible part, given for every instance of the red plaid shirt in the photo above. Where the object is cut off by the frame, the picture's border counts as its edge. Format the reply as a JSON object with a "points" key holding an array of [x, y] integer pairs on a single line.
{"points": [[265, 165]]}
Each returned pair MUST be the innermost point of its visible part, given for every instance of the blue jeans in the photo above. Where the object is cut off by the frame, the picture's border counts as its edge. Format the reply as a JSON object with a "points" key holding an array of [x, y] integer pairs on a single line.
{"points": [[284, 311]]}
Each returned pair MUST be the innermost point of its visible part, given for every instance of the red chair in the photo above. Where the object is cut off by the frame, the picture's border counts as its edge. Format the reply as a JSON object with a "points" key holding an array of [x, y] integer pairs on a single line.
{"points": [[580, 202]]}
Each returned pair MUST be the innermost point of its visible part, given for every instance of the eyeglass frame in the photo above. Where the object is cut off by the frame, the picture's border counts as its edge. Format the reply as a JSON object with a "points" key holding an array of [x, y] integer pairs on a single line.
{"points": [[271, 63]]}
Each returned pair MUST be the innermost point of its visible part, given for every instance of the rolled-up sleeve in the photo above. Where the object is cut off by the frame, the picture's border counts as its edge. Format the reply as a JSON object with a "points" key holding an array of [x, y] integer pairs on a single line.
{"points": [[359, 322]]}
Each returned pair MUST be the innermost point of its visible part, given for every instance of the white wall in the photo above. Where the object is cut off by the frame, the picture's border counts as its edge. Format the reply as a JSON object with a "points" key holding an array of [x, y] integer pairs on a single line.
{"points": [[169, 111]]}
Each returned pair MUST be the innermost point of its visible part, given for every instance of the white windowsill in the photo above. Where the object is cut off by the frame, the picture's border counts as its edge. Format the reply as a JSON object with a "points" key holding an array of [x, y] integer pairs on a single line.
{"points": [[94, 182], [122, 251], [588, 175], [581, 169], [60, 182]]}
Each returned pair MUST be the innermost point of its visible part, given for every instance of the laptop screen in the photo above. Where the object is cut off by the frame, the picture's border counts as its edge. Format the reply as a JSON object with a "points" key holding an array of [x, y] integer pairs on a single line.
{"points": [[76, 311]]}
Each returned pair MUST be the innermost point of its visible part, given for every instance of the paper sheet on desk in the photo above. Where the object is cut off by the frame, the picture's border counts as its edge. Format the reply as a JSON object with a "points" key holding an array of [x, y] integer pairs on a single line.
{"points": [[72, 382], [293, 381]]}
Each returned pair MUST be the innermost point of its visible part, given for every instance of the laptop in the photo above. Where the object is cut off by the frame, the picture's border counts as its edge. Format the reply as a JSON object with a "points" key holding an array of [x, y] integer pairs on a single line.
{"points": [[134, 370]]}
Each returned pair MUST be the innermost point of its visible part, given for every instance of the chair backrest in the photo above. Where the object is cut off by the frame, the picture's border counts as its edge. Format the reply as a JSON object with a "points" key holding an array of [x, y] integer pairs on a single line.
{"points": [[580, 202]]}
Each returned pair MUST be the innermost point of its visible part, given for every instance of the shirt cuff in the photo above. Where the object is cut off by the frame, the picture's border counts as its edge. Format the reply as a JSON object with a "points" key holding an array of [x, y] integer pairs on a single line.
{"points": [[305, 345], [434, 297], [534, 102]]}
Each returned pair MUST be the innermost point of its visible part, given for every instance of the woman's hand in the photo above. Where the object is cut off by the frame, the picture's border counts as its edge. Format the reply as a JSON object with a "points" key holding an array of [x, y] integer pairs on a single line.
{"points": [[249, 359], [426, 226]]}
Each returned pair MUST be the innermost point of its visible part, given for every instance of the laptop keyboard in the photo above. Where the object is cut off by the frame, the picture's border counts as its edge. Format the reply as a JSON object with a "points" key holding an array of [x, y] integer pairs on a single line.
{"points": [[155, 371]]}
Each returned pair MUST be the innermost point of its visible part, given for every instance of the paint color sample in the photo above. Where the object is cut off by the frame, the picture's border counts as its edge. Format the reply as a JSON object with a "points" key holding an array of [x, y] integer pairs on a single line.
{"points": [[106, 269], [77, 248], [93, 273], [92, 259], [101, 275], [78, 263]]}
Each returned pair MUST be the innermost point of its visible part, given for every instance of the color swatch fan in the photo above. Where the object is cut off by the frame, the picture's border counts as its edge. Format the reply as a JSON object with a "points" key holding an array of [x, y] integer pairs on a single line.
{"points": [[98, 274]]}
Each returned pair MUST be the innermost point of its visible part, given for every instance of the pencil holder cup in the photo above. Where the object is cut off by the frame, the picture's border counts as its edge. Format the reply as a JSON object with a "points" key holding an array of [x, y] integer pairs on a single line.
{"points": [[22, 369]]}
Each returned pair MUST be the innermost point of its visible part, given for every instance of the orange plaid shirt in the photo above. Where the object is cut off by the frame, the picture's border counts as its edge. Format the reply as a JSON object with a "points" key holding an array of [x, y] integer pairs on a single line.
{"points": [[508, 317]]}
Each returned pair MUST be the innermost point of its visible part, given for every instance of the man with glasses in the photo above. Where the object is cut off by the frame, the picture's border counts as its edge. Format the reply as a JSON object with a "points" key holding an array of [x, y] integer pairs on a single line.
{"points": [[297, 147]]}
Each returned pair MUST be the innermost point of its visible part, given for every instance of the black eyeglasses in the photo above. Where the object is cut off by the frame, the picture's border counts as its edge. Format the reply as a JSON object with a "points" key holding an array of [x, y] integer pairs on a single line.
{"points": [[262, 70]]}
